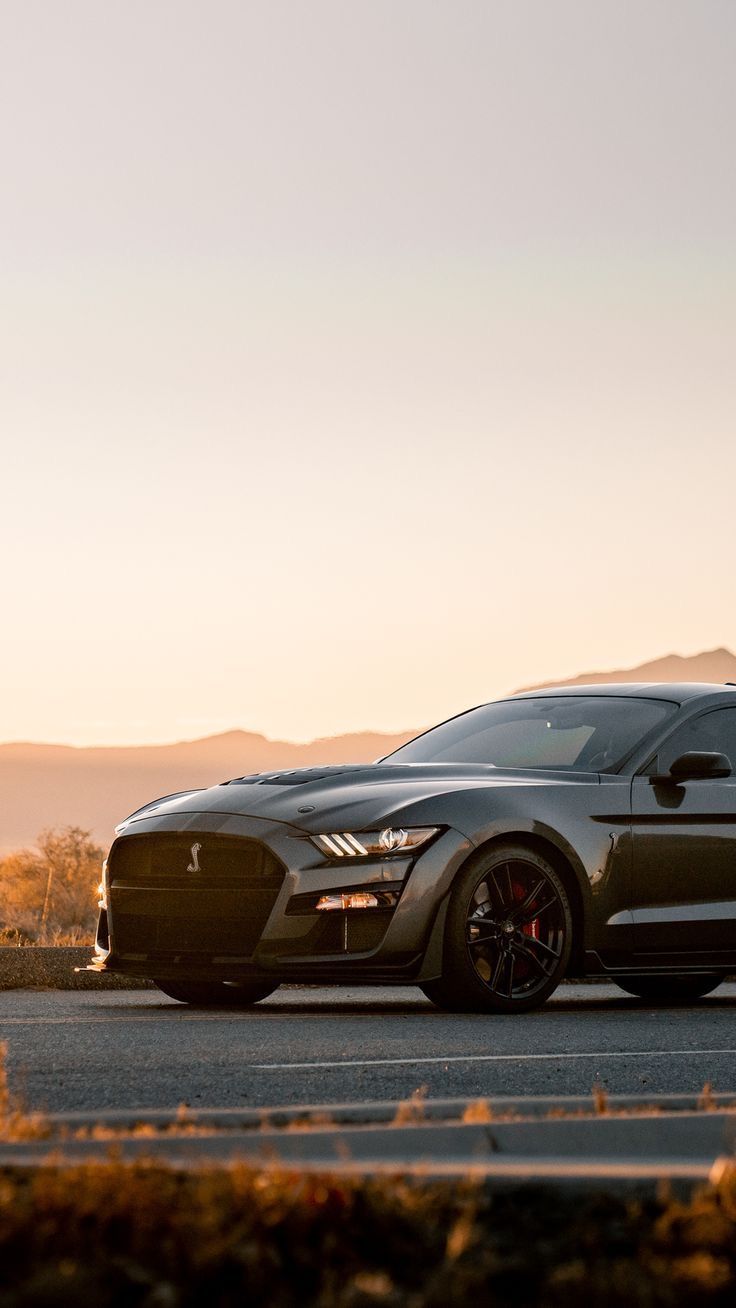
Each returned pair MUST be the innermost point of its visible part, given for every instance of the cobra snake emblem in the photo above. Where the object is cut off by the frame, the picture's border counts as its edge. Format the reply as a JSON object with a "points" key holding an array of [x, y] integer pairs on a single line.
{"points": [[194, 865]]}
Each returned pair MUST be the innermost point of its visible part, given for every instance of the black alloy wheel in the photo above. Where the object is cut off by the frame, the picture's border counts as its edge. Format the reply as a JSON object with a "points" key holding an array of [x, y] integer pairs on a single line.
{"points": [[217, 994], [668, 989], [508, 935]]}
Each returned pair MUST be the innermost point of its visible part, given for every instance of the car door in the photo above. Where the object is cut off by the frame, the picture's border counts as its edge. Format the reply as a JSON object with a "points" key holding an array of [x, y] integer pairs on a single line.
{"points": [[684, 851]]}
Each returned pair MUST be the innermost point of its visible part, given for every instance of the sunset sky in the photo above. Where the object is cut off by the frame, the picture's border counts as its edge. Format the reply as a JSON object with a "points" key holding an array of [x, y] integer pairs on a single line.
{"points": [[361, 359]]}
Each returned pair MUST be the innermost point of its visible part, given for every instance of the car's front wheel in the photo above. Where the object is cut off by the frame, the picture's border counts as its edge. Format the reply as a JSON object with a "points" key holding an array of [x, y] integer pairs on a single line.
{"points": [[217, 994], [668, 989], [508, 934]]}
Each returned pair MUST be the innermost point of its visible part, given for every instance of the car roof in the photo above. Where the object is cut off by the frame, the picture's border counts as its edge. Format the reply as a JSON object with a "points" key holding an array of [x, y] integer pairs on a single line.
{"points": [[675, 691]]}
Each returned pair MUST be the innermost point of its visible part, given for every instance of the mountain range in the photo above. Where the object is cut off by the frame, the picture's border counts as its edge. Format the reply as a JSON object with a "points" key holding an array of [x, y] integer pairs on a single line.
{"points": [[94, 788], [57, 785], [716, 665]]}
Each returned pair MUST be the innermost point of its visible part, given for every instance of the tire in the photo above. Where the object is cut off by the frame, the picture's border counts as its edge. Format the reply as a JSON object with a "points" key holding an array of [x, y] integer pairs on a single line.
{"points": [[668, 989], [508, 934], [217, 994]]}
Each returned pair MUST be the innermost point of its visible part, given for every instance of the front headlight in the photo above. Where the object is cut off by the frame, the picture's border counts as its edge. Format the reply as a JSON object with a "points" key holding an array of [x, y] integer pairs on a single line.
{"points": [[372, 844]]}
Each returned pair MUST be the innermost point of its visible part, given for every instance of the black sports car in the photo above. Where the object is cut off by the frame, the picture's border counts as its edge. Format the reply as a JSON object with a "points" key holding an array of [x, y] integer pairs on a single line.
{"points": [[583, 832]]}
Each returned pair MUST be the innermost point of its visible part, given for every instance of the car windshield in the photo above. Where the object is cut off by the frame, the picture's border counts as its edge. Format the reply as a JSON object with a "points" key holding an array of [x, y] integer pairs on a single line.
{"points": [[573, 732]]}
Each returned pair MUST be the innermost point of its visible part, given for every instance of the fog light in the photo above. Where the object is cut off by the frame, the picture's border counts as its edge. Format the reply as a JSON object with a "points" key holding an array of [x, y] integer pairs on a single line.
{"points": [[360, 899]]}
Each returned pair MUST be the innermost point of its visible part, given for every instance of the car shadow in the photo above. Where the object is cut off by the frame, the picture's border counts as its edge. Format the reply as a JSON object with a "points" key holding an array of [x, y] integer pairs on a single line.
{"points": [[337, 1008]]}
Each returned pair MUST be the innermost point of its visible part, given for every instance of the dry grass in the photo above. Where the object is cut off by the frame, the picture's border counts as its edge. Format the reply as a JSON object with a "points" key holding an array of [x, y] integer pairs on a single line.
{"points": [[600, 1099], [53, 937], [15, 1122], [411, 1110], [479, 1111], [706, 1101], [152, 1237]]}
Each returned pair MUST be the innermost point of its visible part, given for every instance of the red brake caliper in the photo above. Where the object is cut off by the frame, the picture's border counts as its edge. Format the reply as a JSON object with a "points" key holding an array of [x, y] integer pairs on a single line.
{"points": [[529, 928]]}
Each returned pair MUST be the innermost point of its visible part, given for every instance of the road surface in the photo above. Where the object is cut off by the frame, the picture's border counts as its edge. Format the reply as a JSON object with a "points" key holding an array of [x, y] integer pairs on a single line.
{"points": [[137, 1049]]}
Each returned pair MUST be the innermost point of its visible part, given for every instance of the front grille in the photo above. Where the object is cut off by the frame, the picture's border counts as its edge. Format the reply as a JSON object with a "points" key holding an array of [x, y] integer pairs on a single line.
{"points": [[143, 933], [223, 862], [159, 906]]}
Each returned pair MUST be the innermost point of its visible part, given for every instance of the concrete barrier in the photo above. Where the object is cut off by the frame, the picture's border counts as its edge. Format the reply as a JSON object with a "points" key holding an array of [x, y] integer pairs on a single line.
{"points": [[26, 967]]}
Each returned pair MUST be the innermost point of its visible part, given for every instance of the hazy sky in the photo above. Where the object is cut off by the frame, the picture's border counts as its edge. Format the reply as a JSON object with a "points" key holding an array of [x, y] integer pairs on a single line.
{"points": [[360, 359]]}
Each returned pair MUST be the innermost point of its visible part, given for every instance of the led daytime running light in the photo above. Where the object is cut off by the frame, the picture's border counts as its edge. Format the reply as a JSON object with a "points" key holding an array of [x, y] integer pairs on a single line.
{"points": [[376, 844]]}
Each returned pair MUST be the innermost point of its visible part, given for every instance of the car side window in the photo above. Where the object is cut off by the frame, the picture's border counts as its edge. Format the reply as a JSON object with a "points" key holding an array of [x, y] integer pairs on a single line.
{"points": [[713, 732]]}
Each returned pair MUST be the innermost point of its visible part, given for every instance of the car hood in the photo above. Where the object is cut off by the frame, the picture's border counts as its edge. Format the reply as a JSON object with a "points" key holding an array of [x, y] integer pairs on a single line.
{"points": [[355, 796]]}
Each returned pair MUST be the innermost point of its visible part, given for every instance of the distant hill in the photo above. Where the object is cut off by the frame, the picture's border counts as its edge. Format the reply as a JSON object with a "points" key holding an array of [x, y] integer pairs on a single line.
{"points": [[55, 785], [58, 785], [717, 665]]}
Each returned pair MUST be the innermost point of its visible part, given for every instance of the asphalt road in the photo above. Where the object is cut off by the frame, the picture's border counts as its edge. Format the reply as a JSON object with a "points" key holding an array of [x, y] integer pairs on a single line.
{"points": [[137, 1049]]}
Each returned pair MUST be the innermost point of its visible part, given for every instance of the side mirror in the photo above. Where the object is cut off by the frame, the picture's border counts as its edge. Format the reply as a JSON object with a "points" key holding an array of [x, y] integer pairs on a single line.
{"points": [[696, 765]]}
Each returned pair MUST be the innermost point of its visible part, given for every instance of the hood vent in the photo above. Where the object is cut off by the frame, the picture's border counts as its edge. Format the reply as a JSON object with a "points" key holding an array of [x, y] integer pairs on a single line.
{"points": [[297, 776]]}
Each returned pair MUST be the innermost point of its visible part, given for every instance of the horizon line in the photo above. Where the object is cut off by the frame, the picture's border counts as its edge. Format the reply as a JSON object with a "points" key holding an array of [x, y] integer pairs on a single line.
{"points": [[215, 735]]}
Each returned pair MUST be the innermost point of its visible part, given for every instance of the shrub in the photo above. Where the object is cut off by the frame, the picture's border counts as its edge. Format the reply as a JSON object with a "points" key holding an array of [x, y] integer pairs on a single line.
{"points": [[48, 894]]}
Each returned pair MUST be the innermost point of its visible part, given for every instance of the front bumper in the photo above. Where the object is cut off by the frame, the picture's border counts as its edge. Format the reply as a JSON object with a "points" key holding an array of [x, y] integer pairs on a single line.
{"points": [[372, 945]]}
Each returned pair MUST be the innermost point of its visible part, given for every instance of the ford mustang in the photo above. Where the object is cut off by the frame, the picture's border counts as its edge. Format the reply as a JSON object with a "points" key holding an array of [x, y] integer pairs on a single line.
{"points": [[587, 832]]}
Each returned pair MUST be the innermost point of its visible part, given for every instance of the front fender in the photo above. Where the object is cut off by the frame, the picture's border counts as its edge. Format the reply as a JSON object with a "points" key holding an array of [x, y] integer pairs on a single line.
{"points": [[591, 831]]}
